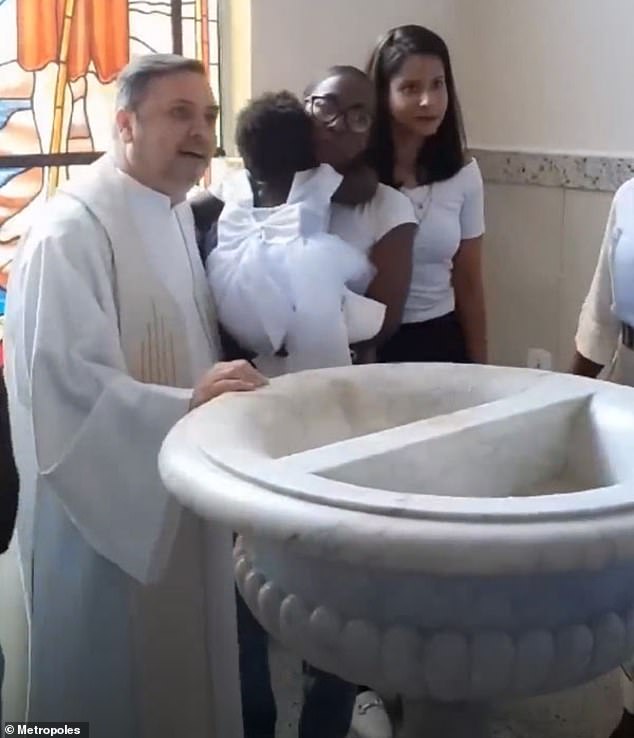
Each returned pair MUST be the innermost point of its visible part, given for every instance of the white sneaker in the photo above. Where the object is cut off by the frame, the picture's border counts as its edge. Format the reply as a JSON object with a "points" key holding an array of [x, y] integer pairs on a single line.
{"points": [[369, 717]]}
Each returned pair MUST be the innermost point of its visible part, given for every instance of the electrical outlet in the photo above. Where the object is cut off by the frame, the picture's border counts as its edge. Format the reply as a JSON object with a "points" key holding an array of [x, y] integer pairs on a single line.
{"points": [[539, 359]]}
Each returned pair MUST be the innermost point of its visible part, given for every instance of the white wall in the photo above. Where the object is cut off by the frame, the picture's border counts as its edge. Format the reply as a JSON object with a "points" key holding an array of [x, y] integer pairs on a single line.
{"points": [[294, 40], [549, 75]]}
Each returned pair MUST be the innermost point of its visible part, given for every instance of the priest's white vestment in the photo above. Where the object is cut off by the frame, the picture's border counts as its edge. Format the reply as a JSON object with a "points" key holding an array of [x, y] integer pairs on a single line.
{"points": [[109, 324]]}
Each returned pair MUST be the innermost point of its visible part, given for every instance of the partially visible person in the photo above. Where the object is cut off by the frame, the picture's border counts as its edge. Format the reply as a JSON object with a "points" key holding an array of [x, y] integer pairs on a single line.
{"points": [[111, 339], [605, 334], [9, 481], [418, 147], [605, 340], [343, 108], [9, 486], [278, 277]]}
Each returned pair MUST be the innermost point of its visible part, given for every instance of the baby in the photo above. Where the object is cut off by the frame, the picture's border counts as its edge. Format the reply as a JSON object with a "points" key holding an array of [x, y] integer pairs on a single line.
{"points": [[278, 277]]}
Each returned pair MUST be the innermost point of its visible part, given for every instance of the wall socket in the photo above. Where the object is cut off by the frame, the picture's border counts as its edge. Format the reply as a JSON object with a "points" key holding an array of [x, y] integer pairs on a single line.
{"points": [[539, 359]]}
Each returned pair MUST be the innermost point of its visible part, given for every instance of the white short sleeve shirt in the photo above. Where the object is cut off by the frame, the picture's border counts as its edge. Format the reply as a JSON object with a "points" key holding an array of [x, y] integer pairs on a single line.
{"points": [[363, 226], [447, 212], [610, 300]]}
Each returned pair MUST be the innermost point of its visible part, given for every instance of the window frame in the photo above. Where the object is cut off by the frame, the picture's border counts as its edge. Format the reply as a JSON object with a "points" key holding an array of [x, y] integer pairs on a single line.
{"points": [[83, 158]]}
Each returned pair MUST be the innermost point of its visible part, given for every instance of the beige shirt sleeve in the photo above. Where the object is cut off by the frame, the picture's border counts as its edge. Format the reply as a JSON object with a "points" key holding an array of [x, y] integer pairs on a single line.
{"points": [[598, 330]]}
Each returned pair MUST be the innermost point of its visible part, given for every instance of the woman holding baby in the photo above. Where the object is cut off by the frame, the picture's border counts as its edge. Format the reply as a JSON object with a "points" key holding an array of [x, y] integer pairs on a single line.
{"points": [[422, 246]]}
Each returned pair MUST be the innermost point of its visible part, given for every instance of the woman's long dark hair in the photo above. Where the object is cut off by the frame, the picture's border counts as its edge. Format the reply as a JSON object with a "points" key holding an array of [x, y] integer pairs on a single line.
{"points": [[443, 154]]}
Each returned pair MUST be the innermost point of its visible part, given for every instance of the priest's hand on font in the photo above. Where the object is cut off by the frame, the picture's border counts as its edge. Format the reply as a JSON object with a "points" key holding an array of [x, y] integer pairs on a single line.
{"points": [[226, 376]]}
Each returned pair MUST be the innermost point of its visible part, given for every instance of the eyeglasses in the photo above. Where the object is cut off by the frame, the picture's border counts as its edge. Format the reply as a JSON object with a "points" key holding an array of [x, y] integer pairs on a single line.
{"points": [[326, 109]]}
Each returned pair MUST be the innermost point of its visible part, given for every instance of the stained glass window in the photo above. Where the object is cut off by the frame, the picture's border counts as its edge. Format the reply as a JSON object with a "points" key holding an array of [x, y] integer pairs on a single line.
{"points": [[58, 63]]}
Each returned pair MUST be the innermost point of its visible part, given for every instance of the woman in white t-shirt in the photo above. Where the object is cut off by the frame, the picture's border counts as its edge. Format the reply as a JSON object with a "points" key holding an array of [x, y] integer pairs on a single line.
{"points": [[342, 105], [419, 147]]}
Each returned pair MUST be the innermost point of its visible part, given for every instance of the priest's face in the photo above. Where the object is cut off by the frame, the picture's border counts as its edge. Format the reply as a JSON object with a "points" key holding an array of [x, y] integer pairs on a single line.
{"points": [[170, 137]]}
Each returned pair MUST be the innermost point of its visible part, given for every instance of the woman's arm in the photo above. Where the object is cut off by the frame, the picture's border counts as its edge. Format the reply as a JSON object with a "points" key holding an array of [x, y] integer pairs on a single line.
{"points": [[469, 290], [392, 259], [395, 227], [584, 367]]}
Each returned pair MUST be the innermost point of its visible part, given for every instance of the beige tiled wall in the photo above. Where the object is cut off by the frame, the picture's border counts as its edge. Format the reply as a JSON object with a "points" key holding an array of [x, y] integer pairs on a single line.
{"points": [[540, 252]]}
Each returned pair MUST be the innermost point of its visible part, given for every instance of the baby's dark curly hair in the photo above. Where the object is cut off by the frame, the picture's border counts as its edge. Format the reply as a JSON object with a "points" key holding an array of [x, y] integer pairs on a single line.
{"points": [[274, 135]]}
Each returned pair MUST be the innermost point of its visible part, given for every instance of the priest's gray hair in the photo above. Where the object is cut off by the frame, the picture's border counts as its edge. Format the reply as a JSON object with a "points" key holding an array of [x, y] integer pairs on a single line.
{"points": [[133, 79]]}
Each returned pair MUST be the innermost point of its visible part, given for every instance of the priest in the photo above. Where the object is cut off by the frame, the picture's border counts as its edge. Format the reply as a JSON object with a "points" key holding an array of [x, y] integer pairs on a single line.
{"points": [[110, 339]]}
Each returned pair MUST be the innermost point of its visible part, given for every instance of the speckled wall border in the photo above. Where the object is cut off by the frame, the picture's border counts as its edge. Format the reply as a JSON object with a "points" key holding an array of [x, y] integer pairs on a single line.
{"points": [[596, 173], [574, 172]]}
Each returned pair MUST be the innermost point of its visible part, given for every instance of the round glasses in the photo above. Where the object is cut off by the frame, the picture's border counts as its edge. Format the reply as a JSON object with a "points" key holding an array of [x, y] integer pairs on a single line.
{"points": [[326, 109]]}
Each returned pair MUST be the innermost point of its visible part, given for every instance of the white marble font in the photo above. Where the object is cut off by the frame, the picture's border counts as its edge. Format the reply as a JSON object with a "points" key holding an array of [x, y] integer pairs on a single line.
{"points": [[451, 534]]}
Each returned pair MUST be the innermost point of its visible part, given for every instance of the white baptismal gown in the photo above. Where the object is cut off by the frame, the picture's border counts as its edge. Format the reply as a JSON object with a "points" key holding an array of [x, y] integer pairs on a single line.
{"points": [[279, 278]]}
